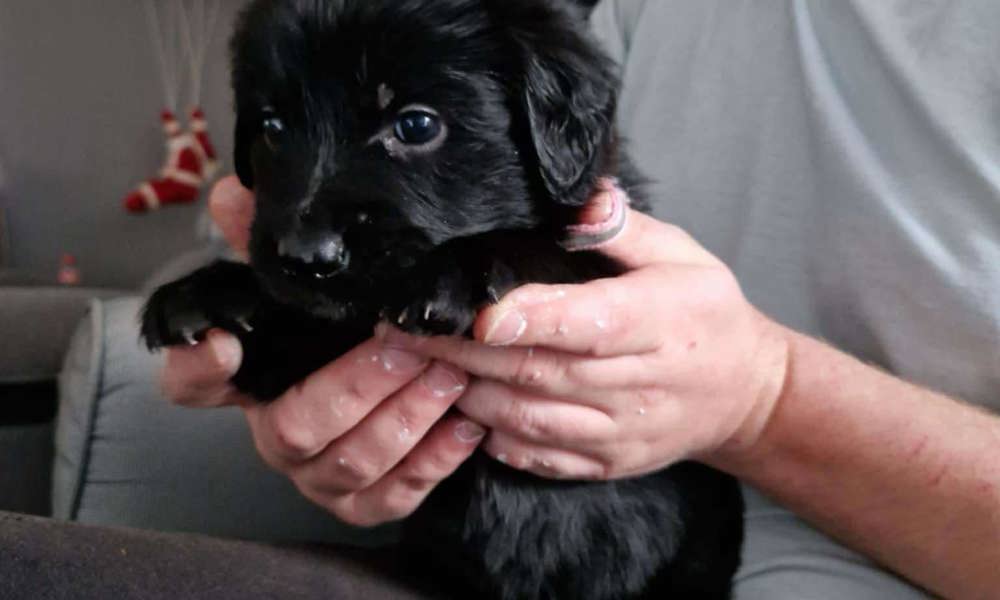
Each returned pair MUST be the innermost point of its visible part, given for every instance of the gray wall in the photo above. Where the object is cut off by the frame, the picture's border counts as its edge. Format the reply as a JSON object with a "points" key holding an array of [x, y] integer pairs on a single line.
{"points": [[79, 103]]}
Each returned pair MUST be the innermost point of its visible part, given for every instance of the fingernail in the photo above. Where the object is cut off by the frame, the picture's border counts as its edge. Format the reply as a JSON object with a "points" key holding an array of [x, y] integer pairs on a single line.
{"points": [[507, 329], [394, 359], [600, 211], [600, 222], [469, 432], [442, 381], [227, 350]]}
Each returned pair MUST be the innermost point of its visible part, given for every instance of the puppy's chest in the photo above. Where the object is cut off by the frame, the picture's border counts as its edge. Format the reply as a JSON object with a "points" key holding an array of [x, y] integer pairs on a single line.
{"points": [[524, 537]]}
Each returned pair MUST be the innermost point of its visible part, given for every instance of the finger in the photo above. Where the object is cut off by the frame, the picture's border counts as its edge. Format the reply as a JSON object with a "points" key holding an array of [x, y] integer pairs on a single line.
{"points": [[397, 495], [232, 208], [584, 380], [366, 453], [633, 238], [544, 461], [607, 317], [199, 376], [303, 421], [500, 407]]}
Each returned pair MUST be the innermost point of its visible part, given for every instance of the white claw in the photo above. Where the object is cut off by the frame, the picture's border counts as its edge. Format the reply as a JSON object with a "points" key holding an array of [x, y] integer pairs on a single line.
{"points": [[402, 317], [494, 296], [427, 312], [188, 336], [245, 325]]}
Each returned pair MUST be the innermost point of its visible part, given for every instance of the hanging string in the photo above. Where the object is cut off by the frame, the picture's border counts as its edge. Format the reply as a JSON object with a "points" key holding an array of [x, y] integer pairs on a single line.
{"points": [[168, 73], [191, 53], [198, 39], [215, 10], [209, 22]]}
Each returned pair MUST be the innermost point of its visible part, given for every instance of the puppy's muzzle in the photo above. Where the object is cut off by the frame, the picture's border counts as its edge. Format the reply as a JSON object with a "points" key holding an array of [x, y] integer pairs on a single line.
{"points": [[319, 255]]}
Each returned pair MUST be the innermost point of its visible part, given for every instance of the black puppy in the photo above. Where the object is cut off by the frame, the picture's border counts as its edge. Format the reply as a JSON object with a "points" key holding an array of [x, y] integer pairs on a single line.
{"points": [[414, 160]]}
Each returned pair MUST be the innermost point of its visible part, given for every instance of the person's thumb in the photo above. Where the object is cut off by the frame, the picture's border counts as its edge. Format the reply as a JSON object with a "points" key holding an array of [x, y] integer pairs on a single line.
{"points": [[232, 208], [635, 239]]}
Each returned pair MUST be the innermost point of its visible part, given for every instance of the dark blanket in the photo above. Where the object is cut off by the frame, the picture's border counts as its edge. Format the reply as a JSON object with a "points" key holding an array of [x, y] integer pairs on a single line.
{"points": [[45, 559]]}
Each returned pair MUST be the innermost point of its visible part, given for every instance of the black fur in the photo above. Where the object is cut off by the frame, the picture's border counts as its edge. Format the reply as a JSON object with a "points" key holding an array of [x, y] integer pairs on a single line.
{"points": [[431, 235]]}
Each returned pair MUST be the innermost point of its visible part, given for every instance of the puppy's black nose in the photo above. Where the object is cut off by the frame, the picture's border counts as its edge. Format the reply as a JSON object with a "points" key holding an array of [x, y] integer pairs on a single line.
{"points": [[319, 255]]}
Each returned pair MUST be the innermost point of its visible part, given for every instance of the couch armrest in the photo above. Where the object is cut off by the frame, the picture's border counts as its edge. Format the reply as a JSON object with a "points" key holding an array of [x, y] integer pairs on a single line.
{"points": [[37, 324]]}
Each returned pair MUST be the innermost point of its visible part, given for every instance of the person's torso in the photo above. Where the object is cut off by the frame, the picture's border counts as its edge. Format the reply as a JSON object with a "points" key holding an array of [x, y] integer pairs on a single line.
{"points": [[842, 157]]}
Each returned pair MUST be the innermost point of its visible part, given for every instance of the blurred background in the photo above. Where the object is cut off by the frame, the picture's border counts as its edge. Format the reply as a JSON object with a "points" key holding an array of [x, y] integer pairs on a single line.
{"points": [[101, 199], [81, 90]]}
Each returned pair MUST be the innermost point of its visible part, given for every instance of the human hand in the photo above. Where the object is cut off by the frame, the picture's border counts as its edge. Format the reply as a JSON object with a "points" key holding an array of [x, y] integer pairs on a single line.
{"points": [[619, 377], [366, 437]]}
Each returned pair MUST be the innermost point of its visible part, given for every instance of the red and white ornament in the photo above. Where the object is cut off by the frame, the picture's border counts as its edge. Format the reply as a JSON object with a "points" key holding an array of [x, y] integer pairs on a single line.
{"points": [[190, 161], [190, 164]]}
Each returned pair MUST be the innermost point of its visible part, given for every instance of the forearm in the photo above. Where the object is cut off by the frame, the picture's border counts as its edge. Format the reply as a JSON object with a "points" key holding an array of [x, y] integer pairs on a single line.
{"points": [[909, 477]]}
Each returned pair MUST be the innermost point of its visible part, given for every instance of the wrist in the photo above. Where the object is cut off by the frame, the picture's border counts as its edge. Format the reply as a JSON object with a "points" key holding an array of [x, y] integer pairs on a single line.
{"points": [[773, 358]]}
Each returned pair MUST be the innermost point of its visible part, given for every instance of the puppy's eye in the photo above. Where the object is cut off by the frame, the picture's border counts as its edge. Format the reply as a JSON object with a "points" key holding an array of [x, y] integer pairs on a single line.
{"points": [[418, 127], [273, 129]]}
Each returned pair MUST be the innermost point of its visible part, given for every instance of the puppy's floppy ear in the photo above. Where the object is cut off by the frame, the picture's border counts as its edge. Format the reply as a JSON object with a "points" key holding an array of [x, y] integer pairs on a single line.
{"points": [[245, 133], [570, 96]]}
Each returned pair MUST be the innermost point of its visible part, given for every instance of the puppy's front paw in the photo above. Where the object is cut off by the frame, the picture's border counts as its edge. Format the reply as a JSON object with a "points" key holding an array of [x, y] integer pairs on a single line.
{"points": [[444, 306], [223, 295]]}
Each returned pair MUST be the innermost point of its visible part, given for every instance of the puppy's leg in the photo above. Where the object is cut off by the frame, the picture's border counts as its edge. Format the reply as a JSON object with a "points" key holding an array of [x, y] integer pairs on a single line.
{"points": [[441, 297], [445, 292], [222, 295], [281, 345]]}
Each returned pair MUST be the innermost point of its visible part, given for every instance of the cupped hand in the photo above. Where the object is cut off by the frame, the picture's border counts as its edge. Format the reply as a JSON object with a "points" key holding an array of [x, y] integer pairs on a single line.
{"points": [[366, 437], [619, 377]]}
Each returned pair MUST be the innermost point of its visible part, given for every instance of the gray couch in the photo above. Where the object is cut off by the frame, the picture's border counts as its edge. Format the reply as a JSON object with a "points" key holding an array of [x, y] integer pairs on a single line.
{"points": [[125, 456], [36, 324], [125, 478]]}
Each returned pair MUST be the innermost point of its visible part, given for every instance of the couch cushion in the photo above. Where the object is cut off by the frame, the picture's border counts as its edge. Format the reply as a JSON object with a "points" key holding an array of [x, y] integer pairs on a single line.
{"points": [[125, 456], [37, 322], [61, 561]]}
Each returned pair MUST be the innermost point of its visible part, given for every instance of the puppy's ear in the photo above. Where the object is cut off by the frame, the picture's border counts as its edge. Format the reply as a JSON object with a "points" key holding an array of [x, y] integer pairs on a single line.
{"points": [[570, 96], [245, 134]]}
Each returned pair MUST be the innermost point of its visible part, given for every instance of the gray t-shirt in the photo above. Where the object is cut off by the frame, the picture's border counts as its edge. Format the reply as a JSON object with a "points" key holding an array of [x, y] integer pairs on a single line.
{"points": [[842, 157]]}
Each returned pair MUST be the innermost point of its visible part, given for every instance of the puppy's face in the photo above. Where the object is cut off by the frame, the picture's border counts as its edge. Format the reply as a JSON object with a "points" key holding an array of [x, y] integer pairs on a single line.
{"points": [[374, 131]]}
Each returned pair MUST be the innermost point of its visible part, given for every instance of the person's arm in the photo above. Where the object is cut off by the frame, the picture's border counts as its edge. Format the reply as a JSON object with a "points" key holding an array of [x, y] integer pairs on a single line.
{"points": [[907, 476], [620, 377]]}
